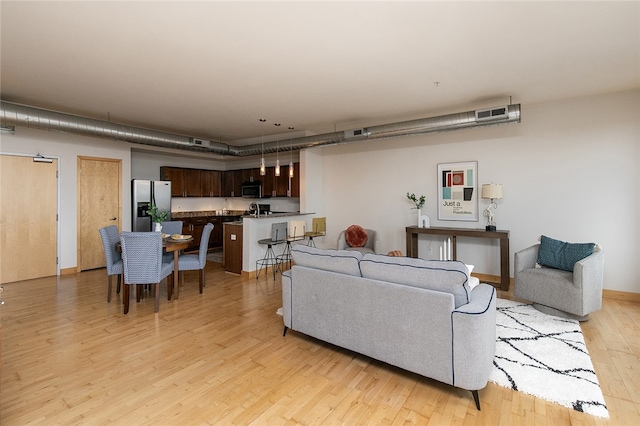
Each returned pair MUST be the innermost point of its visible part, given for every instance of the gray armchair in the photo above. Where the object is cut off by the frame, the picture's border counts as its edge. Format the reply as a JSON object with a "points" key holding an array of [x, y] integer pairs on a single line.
{"points": [[557, 292], [369, 247]]}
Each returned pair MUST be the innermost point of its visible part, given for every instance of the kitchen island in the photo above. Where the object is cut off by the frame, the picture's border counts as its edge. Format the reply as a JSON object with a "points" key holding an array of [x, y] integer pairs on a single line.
{"points": [[256, 228]]}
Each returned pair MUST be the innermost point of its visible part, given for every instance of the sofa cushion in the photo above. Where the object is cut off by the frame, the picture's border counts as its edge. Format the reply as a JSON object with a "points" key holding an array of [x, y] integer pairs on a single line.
{"points": [[356, 236], [562, 255], [340, 261], [446, 276]]}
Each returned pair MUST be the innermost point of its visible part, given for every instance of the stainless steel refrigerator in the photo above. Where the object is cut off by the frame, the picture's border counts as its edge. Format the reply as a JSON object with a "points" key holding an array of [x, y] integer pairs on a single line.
{"points": [[144, 193]]}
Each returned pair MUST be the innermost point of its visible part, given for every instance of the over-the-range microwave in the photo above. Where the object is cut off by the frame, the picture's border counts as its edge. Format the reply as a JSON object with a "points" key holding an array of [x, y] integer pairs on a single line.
{"points": [[252, 189]]}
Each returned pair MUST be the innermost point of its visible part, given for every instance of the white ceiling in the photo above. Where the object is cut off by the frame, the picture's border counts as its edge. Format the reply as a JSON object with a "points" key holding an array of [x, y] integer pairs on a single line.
{"points": [[213, 69]]}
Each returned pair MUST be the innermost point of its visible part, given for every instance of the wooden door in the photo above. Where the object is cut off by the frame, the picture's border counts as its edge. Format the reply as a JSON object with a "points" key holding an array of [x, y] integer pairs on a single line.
{"points": [[99, 205], [28, 218]]}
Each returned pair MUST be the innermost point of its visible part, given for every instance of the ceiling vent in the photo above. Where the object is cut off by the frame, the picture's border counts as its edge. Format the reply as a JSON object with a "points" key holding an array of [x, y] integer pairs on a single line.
{"points": [[492, 113], [348, 134], [201, 142]]}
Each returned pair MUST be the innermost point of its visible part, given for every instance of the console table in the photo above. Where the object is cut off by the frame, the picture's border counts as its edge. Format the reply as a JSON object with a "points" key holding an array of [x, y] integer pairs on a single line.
{"points": [[503, 236]]}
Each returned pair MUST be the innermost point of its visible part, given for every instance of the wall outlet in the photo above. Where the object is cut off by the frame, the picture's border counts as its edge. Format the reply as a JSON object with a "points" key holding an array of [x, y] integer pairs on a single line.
{"points": [[430, 251]]}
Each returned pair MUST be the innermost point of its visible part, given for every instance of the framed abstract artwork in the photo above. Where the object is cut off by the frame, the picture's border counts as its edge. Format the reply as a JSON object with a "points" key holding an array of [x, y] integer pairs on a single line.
{"points": [[458, 191]]}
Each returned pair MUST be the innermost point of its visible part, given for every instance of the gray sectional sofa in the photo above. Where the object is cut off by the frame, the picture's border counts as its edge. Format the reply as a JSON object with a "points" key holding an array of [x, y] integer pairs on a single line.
{"points": [[414, 314]]}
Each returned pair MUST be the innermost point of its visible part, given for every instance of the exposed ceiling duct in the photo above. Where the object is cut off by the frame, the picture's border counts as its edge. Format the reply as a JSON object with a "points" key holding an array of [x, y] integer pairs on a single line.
{"points": [[12, 114]]}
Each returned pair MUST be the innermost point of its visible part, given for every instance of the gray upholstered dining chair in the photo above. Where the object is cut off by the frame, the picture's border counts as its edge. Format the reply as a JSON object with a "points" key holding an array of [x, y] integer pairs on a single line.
{"points": [[171, 227], [110, 237], [196, 262], [142, 262]]}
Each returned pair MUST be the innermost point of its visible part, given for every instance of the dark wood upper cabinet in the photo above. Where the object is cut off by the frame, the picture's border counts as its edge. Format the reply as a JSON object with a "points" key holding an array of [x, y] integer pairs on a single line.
{"points": [[192, 183], [268, 181], [251, 175], [176, 176], [232, 183], [295, 181], [211, 183], [184, 182], [228, 183]]}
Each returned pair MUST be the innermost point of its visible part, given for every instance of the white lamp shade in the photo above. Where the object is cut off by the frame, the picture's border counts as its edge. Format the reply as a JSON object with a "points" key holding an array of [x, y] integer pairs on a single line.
{"points": [[492, 191]]}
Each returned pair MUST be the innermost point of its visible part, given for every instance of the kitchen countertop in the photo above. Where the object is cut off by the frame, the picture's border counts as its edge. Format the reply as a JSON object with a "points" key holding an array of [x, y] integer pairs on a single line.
{"points": [[272, 215], [232, 213], [207, 213]]}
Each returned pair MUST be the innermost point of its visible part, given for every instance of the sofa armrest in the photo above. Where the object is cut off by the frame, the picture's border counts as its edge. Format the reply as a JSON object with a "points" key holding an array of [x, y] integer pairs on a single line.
{"points": [[342, 241], [589, 270], [287, 284], [588, 277], [526, 259], [474, 338]]}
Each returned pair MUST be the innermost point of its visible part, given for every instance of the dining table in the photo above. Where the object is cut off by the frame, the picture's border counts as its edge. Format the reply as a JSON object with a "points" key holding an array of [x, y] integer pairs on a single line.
{"points": [[170, 245]]}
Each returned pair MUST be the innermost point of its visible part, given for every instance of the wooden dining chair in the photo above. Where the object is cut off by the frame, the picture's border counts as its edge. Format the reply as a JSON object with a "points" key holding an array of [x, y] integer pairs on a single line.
{"points": [[196, 262], [110, 237], [142, 262]]}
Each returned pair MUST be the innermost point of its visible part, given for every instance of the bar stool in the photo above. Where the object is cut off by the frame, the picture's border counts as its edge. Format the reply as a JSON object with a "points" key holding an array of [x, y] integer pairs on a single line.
{"points": [[278, 236], [319, 229], [296, 233]]}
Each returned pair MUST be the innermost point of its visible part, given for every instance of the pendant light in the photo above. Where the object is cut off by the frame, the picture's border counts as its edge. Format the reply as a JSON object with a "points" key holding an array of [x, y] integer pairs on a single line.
{"points": [[277, 171], [291, 159], [263, 168]]}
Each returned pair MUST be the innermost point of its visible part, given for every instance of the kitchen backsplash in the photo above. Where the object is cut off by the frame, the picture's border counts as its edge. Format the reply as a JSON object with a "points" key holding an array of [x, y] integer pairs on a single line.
{"points": [[217, 203]]}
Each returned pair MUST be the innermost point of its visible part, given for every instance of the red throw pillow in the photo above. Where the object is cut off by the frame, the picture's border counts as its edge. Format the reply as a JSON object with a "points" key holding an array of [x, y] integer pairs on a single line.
{"points": [[356, 236]]}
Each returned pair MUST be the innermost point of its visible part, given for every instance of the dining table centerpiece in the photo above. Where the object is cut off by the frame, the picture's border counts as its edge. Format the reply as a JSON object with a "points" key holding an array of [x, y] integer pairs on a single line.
{"points": [[157, 217]]}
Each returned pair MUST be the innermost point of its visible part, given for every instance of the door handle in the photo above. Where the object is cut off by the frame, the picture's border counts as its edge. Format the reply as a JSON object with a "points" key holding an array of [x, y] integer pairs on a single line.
{"points": [[114, 218]]}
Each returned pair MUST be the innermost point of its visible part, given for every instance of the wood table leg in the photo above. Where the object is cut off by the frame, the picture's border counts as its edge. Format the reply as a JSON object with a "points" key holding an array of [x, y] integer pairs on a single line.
{"points": [[504, 264], [175, 274]]}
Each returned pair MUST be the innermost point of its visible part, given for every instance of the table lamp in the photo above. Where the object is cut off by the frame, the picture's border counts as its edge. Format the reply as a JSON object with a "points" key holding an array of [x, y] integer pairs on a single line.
{"points": [[491, 191]]}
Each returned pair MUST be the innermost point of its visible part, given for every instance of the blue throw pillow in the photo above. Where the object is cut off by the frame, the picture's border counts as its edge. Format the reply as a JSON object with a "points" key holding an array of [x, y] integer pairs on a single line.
{"points": [[561, 255]]}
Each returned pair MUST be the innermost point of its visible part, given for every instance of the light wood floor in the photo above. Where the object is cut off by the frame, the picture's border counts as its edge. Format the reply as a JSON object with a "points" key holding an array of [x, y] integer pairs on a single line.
{"points": [[220, 358]]}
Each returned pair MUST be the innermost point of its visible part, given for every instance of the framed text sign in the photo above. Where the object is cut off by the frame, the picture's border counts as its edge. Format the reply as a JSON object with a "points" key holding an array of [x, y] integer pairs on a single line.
{"points": [[458, 191]]}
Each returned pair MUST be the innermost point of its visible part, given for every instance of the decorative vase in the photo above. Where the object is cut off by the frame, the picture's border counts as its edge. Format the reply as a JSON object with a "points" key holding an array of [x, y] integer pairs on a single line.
{"points": [[157, 227], [419, 217]]}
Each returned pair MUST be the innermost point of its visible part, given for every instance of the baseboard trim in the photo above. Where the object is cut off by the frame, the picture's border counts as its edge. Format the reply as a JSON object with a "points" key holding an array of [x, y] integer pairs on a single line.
{"points": [[68, 271], [621, 295], [609, 294]]}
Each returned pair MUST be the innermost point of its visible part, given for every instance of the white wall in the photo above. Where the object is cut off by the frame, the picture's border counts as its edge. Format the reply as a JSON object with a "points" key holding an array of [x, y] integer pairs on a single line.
{"points": [[569, 171]]}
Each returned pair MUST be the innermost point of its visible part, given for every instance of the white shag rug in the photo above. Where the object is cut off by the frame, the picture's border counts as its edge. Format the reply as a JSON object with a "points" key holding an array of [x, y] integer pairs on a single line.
{"points": [[545, 356]]}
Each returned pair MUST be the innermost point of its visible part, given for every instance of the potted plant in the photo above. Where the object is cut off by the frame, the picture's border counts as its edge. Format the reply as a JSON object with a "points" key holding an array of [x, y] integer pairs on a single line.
{"points": [[157, 217], [423, 221]]}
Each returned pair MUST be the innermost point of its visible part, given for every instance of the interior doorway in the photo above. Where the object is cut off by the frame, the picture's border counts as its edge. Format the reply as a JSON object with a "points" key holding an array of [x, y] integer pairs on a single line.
{"points": [[28, 218], [99, 205]]}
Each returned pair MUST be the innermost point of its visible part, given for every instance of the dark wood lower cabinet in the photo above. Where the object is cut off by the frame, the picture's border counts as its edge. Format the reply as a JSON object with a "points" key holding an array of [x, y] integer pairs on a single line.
{"points": [[232, 252], [194, 226]]}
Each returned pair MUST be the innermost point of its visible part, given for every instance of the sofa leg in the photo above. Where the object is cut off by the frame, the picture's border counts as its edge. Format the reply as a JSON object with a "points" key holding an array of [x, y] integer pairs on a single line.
{"points": [[476, 398], [284, 332]]}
